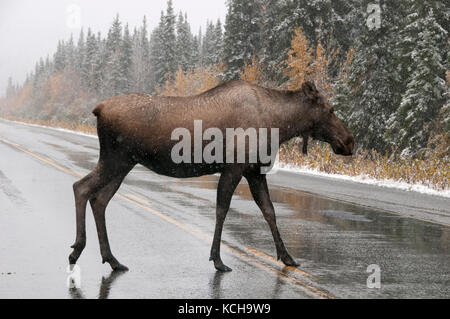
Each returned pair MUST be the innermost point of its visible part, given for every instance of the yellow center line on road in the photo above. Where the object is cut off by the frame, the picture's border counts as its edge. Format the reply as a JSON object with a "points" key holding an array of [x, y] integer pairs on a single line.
{"points": [[142, 203], [42, 159]]}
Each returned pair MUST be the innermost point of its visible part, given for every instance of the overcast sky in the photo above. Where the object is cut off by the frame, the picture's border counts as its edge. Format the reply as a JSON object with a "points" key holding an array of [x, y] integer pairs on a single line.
{"points": [[30, 29]]}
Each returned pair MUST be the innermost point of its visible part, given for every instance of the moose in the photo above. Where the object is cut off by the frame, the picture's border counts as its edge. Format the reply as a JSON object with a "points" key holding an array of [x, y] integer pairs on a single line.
{"points": [[136, 129]]}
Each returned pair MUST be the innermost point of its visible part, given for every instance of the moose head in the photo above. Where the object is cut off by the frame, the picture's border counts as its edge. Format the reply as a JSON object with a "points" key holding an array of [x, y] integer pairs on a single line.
{"points": [[325, 125]]}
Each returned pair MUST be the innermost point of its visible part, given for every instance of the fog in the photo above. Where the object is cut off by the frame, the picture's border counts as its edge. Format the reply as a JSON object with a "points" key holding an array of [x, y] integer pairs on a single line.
{"points": [[31, 29]]}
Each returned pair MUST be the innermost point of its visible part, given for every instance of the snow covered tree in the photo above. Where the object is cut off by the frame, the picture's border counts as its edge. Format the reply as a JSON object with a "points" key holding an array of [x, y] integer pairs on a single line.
{"points": [[277, 37], [70, 53], [158, 70], [196, 49], [242, 39], [141, 60], [412, 123], [335, 24], [209, 56], [218, 42], [184, 47], [341, 99], [212, 44], [163, 48], [80, 51], [168, 38], [60, 57], [113, 76], [126, 52], [114, 38], [91, 70], [375, 90]]}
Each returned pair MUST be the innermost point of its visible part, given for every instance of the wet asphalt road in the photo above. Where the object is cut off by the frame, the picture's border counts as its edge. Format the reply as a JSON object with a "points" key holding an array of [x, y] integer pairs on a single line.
{"points": [[161, 228]]}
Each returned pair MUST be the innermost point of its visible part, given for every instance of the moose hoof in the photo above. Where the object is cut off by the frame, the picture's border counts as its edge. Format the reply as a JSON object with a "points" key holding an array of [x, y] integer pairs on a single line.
{"points": [[115, 264], [220, 266], [120, 268], [289, 261], [72, 260]]}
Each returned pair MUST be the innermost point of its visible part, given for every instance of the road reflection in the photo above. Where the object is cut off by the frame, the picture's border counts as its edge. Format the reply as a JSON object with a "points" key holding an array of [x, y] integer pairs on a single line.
{"points": [[105, 287]]}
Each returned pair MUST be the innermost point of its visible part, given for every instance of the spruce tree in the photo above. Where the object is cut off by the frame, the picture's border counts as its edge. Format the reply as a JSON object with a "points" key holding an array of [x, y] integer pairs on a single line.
{"points": [[375, 90], [209, 45], [218, 42], [158, 70], [141, 60], [411, 125], [112, 72], [59, 57], [91, 69], [126, 52], [80, 51], [184, 43], [168, 42], [242, 39]]}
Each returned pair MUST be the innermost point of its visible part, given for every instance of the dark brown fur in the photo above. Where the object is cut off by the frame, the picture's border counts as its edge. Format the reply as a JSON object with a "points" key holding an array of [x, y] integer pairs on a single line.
{"points": [[136, 129]]}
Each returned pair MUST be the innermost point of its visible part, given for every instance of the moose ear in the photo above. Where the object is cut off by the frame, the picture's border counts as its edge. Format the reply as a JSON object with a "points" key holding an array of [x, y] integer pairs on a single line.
{"points": [[310, 90]]}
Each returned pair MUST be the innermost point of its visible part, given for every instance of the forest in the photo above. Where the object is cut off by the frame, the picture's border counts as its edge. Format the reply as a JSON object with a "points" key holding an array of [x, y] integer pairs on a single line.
{"points": [[384, 65]]}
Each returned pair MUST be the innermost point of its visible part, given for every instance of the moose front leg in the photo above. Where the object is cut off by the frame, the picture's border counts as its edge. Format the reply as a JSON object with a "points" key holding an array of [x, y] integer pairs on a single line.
{"points": [[228, 182], [260, 192]]}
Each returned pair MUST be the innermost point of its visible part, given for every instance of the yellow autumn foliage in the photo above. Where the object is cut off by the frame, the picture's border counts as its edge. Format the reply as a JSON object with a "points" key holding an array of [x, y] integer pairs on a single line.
{"points": [[252, 72], [192, 82], [299, 62]]}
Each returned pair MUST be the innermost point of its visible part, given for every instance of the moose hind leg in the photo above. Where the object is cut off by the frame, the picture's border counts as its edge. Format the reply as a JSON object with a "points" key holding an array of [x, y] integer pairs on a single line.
{"points": [[88, 188], [260, 192], [81, 198], [99, 204], [228, 182]]}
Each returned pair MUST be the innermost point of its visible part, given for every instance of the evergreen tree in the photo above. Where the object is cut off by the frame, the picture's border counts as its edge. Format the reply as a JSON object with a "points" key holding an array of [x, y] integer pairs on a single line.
{"points": [[168, 42], [70, 53], [114, 37], [59, 57], [242, 39], [141, 60], [163, 48], [375, 90], [209, 56], [218, 42], [277, 37], [112, 67], [158, 70], [91, 69], [196, 50], [412, 123], [126, 52], [80, 51], [184, 54]]}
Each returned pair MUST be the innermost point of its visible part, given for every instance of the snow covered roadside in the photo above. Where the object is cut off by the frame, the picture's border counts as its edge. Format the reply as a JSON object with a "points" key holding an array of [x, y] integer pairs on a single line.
{"points": [[52, 128], [364, 180], [302, 170]]}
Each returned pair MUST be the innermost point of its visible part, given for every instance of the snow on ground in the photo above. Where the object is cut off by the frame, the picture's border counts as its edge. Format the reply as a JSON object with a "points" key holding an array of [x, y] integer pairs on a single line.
{"points": [[363, 179], [308, 171], [54, 128]]}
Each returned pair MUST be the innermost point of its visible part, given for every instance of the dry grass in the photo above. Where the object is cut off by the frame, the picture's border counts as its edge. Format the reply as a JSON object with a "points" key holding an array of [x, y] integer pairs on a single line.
{"points": [[432, 172]]}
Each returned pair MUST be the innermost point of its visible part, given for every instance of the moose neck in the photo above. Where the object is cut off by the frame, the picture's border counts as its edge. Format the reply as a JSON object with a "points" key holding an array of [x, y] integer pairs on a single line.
{"points": [[290, 114]]}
